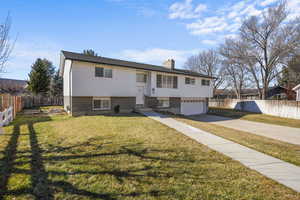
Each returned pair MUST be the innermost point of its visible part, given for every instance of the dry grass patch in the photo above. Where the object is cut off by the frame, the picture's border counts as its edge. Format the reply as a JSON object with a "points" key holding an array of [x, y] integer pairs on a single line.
{"points": [[119, 157]]}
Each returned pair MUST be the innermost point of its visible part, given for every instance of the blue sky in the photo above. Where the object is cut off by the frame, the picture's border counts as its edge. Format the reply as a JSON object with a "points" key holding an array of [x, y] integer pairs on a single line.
{"points": [[149, 31]]}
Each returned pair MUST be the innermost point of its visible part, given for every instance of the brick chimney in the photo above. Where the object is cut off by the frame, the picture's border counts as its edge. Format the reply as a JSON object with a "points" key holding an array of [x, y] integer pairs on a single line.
{"points": [[170, 63]]}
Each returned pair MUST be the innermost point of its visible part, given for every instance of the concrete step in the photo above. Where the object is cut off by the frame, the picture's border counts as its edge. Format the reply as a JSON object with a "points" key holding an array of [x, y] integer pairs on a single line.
{"points": [[143, 109]]}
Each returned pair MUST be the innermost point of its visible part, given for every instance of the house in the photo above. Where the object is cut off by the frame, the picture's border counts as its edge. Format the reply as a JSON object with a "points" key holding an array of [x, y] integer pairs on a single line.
{"points": [[96, 85], [224, 94], [275, 92], [297, 90], [13, 87]]}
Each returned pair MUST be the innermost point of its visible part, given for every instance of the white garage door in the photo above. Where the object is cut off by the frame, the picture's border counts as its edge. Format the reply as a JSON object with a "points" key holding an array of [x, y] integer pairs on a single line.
{"points": [[193, 108]]}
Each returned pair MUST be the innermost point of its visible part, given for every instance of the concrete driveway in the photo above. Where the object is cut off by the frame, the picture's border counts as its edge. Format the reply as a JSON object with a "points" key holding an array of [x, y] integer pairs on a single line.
{"points": [[282, 133]]}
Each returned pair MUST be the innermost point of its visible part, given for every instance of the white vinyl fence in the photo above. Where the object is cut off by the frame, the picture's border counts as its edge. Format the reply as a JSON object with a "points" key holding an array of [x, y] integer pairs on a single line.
{"points": [[6, 116], [281, 108]]}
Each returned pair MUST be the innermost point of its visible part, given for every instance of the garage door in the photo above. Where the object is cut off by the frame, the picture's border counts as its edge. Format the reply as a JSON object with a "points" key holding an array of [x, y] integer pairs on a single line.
{"points": [[193, 107]]}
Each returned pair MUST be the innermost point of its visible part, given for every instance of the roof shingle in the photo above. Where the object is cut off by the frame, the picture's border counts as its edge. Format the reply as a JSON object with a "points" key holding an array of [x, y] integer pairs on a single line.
{"points": [[128, 64]]}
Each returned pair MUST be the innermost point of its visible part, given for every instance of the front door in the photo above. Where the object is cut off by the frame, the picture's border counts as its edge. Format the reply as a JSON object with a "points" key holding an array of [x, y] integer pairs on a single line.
{"points": [[140, 95]]}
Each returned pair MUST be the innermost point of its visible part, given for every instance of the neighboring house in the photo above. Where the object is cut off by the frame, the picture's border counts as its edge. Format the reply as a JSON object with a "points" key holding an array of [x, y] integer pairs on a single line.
{"points": [[297, 90], [224, 94], [275, 92], [12, 86], [95, 85]]}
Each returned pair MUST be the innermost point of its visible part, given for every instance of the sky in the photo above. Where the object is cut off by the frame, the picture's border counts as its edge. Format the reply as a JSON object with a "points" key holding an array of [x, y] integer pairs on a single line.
{"points": [[148, 31]]}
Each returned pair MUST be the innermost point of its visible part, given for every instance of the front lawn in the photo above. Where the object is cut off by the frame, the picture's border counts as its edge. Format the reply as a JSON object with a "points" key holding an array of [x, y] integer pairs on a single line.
{"points": [[256, 117], [119, 157]]}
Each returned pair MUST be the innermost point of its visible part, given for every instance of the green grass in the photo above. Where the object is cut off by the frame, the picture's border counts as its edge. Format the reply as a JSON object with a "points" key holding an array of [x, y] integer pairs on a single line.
{"points": [[256, 117], [284, 151], [119, 157]]}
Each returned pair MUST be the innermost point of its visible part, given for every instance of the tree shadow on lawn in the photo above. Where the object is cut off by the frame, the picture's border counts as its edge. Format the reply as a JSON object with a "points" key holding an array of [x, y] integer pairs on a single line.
{"points": [[43, 188], [7, 163]]}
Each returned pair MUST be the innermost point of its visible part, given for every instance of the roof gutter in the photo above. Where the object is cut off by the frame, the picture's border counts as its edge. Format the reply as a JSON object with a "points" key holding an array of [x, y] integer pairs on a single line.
{"points": [[296, 88]]}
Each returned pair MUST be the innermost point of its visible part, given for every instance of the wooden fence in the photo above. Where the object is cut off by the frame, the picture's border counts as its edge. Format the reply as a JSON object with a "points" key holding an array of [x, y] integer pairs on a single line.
{"points": [[9, 107], [7, 101], [36, 101]]}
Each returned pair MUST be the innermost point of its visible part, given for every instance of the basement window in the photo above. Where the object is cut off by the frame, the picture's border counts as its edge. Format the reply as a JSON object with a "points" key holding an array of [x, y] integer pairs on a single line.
{"points": [[101, 103], [163, 102]]}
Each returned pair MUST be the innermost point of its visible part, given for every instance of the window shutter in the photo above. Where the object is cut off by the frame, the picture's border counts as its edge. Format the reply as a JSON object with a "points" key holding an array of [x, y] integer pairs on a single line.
{"points": [[175, 82], [99, 72], [158, 81]]}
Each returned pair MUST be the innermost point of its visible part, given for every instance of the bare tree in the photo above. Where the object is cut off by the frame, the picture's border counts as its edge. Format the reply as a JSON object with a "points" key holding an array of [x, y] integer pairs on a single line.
{"points": [[5, 43], [269, 40], [236, 74], [235, 67], [208, 63]]}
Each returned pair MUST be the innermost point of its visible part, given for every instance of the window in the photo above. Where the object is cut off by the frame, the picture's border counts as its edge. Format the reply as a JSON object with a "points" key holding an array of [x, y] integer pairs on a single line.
{"points": [[108, 73], [190, 81], [103, 72], [164, 81], [141, 78], [163, 102], [101, 104], [205, 82], [98, 71]]}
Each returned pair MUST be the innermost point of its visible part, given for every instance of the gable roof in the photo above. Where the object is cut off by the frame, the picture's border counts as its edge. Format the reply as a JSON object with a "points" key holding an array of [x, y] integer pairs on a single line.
{"points": [[123, 63], [12, 86]]}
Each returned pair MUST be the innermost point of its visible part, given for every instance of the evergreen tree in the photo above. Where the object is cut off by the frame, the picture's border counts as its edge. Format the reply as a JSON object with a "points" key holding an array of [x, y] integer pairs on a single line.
{"points": [[40, 76], [290, 76], [90, 52], [57, 85], [51, 68]]}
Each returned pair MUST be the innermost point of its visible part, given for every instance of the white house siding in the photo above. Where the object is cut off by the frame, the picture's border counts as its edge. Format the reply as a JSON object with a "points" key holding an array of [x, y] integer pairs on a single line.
{"points": [[183, 89], [122, 83], [67, 78]]}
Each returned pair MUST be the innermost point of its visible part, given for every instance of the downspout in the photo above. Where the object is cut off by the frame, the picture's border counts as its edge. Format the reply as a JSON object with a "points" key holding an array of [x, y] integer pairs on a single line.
{"points": [[70, 88]]}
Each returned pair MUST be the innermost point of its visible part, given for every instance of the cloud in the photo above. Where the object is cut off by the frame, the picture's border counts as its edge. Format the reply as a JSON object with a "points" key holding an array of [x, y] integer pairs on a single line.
{"points": [[157, 55], [208, 25], [294, 8], [218, 23], [267, 2], [209, 42], [141, 8], [186, 10]]}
